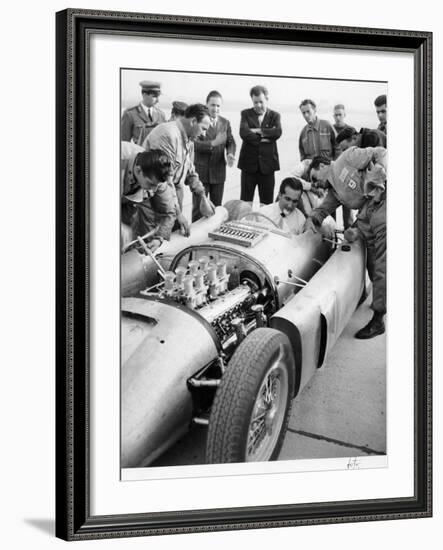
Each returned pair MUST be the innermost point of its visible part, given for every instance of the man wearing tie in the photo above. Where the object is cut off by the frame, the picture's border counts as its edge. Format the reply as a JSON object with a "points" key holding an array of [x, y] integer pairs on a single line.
{"points": [[138, 121], [260, 128], [213, 151], [284, 213]]}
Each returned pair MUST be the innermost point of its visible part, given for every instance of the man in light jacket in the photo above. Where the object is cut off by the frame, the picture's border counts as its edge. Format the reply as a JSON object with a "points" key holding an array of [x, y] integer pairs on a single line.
{"points": [[357, 179]]}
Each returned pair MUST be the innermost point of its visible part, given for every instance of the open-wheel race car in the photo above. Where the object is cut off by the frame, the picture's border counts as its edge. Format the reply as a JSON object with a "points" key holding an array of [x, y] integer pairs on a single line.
{"points": [[224, 328]]}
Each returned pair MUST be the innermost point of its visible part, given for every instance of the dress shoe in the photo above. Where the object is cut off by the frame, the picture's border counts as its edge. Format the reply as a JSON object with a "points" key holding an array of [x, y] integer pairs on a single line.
{"points": [[375, 327]]}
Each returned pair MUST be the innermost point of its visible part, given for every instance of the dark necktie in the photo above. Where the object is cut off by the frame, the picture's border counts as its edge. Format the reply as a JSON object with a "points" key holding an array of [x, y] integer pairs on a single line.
{"points": [[150, 115]]}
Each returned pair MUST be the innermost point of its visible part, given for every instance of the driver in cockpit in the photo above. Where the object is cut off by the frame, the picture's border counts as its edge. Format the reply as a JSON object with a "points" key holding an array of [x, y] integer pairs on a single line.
{"points": [[284, 212]]}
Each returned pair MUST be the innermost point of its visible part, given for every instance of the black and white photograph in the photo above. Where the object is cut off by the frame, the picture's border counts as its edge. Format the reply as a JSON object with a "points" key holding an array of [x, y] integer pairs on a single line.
{"points": [[253, 271]]}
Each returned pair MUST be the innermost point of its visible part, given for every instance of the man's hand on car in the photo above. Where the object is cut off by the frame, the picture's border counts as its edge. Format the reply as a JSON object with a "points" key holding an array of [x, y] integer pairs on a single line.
{"points": [[310, 225], [318, 191], [351, 234], [154, 244], [185, 228], [207, 209]]}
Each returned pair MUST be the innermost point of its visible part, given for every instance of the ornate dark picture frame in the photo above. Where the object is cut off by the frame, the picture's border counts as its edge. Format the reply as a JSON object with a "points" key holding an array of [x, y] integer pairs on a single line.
{"points": [[74, 30]]}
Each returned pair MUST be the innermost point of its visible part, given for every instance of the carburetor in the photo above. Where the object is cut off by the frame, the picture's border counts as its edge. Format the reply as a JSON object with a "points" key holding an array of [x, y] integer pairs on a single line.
{"points": [[197, 284]]}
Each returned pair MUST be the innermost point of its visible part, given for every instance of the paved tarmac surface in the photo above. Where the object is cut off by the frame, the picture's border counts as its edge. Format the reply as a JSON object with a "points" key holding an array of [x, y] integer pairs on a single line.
{"points": [[340, 413]]}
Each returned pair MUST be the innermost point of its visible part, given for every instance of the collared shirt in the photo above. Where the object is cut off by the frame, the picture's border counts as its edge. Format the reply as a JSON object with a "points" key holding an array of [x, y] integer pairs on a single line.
{"points": [[171, 138], [317, 139], [261, 117], [136, 124], [292, 223], [147, 110]]}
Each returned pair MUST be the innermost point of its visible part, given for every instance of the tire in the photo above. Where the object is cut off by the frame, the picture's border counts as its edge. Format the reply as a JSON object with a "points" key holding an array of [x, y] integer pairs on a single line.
{"points": [[264, 358], [237, 208]]}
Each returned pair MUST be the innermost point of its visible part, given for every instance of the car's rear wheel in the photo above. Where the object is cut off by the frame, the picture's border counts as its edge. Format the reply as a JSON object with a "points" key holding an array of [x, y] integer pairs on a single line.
{"points": [[251, 408]]}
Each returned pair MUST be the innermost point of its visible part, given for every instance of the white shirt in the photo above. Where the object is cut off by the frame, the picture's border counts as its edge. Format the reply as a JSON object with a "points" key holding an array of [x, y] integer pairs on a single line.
{"points": [[261, 117], [147, 110], [292, 223]]}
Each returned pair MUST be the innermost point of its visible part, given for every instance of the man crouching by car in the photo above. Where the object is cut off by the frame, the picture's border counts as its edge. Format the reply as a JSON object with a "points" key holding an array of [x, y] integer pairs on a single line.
{"points": [[147, 202], [357, 180]]}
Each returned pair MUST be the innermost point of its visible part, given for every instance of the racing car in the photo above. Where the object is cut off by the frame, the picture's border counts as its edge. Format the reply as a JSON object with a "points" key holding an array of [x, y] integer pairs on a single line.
{"points": [[224, 329]]}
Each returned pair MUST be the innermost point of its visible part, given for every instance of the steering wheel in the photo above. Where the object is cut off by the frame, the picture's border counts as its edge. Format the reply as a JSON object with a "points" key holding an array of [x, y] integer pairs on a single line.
{"points": [[260, 215]]}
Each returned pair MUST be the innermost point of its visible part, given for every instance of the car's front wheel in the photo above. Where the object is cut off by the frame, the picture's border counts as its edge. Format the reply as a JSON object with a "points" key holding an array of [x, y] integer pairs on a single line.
{"points": [[251, 408]]}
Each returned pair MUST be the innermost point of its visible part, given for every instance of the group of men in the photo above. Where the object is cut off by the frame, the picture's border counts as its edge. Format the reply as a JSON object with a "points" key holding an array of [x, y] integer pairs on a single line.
{"points": [[195, 145]]}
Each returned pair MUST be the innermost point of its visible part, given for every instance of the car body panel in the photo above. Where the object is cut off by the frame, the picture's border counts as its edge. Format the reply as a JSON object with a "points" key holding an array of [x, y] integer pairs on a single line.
{"points": [[321, 310], [162, 346]]}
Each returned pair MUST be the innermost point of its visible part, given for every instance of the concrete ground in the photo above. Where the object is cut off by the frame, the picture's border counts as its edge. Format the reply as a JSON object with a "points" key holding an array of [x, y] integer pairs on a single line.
{"points": [[340, 413]]}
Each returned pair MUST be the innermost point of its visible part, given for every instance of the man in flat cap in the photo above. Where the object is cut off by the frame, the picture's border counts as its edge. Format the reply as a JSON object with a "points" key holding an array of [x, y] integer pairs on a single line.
{"points": [[138, 121]]}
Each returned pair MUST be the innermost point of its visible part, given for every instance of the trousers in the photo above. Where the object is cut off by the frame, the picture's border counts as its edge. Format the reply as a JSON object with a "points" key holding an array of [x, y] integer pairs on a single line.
{"points": [[371, 221], [265, 183]]}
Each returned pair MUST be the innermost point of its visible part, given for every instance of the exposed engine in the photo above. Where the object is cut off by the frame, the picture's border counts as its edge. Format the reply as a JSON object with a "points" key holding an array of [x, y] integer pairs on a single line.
{"points": [[232, 306]]}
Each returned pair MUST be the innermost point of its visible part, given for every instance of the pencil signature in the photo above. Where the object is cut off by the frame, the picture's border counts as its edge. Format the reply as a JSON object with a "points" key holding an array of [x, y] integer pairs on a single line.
{"points": [[353, 464]]}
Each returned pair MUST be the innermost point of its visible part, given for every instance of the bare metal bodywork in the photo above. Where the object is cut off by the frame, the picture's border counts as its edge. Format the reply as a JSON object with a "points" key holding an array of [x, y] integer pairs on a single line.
{"points": [[317, 315], [162, 347], [170, 344]]}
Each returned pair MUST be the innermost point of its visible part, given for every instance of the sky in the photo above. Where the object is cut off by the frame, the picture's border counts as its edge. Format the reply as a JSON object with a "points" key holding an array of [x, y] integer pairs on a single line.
{"points": [[285, 93]]}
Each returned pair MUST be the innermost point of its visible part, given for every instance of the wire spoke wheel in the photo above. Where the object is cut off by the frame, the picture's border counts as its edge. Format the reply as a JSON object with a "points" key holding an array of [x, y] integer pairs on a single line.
{"points": [[252, 405], [268, 413]]}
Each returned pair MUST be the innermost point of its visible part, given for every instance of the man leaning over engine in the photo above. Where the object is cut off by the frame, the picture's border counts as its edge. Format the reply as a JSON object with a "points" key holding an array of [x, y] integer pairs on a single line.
{"points": [[357, 180], [147, 201]]}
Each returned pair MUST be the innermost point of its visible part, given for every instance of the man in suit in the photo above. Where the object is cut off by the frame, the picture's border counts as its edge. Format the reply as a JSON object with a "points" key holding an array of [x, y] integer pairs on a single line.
{"points": [[138, 121], [210, 160], [260, 128]]}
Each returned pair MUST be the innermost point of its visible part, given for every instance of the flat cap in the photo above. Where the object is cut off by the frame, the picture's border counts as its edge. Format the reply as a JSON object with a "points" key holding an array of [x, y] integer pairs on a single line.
{"points": [[150, 86], [180, 106]]}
